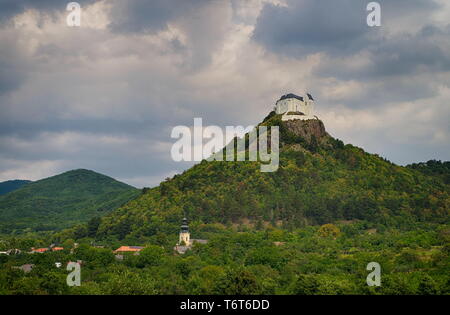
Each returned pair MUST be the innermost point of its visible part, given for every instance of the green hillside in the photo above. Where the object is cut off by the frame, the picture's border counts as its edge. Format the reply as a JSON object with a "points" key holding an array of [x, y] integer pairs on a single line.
{"points": [[268, 233], [11, 185], [434, 168], [320, 180], [61, 201]]}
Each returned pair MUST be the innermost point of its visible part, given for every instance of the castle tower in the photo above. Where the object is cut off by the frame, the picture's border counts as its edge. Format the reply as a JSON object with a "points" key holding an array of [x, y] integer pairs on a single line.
{"points": [[185, 236], [309, 101]]}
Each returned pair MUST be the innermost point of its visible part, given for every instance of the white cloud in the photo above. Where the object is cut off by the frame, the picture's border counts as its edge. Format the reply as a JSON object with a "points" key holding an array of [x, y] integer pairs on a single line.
{"points": [[29, 170]]}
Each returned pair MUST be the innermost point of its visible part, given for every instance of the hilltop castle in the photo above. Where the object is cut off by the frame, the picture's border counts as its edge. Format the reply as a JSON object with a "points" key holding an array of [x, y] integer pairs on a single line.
{"points": [[293, 107]]}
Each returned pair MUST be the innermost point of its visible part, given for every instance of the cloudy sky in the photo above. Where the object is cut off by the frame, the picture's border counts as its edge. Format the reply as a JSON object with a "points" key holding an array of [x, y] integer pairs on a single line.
{"points": [[106, 95]]}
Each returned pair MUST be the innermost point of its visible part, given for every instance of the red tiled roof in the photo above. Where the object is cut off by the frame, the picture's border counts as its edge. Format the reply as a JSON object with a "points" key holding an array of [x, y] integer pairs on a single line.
{"points": [[57, 248], [39, 250]]}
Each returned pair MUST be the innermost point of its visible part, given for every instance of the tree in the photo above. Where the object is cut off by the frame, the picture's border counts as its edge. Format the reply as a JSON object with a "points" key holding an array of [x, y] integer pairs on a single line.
{"points": [[329, 230], [266, 255], [238, 281], [428, 286], [54, 283], [130, 283], [152, 255], [305, 285], [80, 231], [93, 225]]}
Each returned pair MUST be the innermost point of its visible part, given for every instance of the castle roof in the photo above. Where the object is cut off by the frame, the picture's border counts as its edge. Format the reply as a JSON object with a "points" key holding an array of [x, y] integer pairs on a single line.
{"points": [[291, 95]]}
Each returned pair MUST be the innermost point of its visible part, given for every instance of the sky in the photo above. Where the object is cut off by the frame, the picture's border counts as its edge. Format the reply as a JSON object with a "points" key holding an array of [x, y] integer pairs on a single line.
{"points": [[105, 96]]}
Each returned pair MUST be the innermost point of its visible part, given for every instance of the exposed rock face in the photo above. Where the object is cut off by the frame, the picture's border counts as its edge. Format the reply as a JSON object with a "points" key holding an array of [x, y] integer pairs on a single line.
{"points": [[307, 129]]}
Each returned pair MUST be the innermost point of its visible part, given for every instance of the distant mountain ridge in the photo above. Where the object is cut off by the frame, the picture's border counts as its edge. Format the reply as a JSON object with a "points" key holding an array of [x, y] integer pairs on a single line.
{"points": [[11, 185], [61, 201]]}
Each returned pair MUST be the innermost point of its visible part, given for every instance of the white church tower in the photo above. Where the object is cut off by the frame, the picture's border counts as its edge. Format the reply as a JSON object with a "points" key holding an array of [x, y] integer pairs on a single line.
{"points": [[185, 236], [294, 107]]}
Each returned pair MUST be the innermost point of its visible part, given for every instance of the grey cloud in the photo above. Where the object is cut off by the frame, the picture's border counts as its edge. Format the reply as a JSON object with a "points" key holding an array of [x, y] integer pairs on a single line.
{"points": [[311, 26], [405, 54], [10, 8], [413, 53], [13, 64], [398, 61], [202, 21], [335, 28], [130, 159], [136, 16], [63, 100]]}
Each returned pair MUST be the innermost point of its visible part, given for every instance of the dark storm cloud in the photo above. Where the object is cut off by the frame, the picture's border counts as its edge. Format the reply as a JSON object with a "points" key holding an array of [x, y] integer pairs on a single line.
{"points": [[405, 54], [202, 23], [105, 96], [10, 8], [335, 28], [13, 65], [396, 59], [311, 26], [137, 16]]}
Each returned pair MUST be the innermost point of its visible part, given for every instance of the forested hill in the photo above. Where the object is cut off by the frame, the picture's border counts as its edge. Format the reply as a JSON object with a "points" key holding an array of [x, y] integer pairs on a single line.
{"points": [[61, 201], [11, 185], [320, 180], [434, 168]]}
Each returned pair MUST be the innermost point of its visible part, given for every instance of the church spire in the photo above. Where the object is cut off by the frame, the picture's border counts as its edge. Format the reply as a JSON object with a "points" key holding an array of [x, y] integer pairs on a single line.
{"points": [[185, 236], [184, 226]]}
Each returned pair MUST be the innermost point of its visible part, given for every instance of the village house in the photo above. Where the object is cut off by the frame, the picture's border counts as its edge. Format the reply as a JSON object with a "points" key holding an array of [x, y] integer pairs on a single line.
{"points": [[52, 248], [129, 249], [13, 251], [26, 268], [39, 250]]}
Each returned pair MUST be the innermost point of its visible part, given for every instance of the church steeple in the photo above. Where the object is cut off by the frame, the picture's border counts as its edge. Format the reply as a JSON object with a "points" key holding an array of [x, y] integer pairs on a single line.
{"points": [[185, 237], [185, 242], [184, 226]]}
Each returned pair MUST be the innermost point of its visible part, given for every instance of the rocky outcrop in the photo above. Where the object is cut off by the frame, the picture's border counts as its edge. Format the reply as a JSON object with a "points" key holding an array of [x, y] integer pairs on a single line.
{"points": [[307, 129]]}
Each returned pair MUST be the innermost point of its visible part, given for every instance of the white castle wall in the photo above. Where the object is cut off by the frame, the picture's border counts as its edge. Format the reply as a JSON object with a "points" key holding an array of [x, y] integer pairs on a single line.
{"points": [[295, 105], [287, 105]]}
